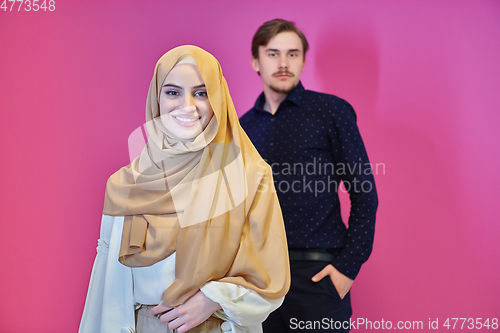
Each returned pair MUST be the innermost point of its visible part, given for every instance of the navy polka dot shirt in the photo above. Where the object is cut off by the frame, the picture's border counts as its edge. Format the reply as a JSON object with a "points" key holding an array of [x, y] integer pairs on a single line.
{"points": [[314, 148]]}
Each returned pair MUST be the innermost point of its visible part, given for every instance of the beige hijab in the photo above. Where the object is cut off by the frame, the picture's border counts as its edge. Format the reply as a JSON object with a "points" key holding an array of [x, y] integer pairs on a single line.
{"points": [[210, 199]]}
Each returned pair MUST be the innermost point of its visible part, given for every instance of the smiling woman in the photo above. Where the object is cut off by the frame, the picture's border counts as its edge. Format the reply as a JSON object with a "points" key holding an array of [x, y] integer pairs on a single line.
{"points": [[184, 106], [187, 227]]}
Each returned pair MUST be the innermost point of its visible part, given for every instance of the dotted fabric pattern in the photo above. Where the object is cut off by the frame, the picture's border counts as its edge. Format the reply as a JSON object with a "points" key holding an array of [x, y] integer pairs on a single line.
{"points": [[312, 143]]}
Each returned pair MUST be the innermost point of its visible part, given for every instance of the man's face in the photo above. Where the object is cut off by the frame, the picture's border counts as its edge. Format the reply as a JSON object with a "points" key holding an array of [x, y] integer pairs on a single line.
{"points": [[280, 62]]}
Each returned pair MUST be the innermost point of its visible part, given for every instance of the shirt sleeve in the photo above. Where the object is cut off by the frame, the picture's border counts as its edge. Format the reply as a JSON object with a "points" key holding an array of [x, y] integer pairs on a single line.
{"points": [[109, 307], [356, 172], [241, 306]]}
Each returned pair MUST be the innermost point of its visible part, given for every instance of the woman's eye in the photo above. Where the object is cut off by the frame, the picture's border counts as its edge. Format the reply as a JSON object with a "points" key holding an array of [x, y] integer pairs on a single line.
{"points": [[171, 93], [201, 94]]}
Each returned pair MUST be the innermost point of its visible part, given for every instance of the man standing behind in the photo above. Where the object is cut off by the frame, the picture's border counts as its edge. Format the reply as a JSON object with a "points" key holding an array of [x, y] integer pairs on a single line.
{"points": [[312, 143]]}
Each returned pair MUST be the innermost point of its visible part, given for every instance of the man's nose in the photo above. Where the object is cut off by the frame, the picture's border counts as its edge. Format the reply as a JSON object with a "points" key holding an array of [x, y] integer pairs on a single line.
{"points": [[283, 61]]}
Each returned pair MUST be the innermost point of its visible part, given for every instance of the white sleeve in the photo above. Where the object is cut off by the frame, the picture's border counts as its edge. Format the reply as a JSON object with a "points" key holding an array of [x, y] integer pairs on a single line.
{"points": [[109, 307], [241, 306]]}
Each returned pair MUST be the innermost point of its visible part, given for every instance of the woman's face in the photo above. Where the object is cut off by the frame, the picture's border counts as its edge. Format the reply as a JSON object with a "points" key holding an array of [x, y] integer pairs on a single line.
{"points": [[184, 106]]}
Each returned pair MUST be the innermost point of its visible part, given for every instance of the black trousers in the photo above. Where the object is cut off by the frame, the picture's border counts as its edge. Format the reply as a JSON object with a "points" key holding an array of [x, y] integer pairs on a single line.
{"points": [[310, 306]]}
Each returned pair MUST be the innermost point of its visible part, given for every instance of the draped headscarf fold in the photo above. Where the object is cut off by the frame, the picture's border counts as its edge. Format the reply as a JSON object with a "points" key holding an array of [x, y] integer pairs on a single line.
{"points": [[210, 199]]}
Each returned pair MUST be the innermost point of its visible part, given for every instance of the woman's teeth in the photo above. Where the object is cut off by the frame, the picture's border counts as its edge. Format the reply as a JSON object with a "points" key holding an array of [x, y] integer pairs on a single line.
{"points": [[186, 120]]}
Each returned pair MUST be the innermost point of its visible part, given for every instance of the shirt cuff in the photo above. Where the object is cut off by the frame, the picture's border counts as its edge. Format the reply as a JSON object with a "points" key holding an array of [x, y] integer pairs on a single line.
{"points": [[242, 306], [347, 265]]}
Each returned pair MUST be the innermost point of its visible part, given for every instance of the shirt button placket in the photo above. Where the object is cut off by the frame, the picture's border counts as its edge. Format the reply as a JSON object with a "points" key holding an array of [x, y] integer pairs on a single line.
{"points": [[271, 136]]}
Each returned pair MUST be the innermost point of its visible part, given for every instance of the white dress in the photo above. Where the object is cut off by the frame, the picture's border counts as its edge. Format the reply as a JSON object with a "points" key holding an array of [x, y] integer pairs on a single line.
{"points": [[114, 289]]}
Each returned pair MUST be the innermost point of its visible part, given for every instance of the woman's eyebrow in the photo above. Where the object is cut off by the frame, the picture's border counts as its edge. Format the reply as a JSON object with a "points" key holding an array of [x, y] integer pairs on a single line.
{"points": [[172, 85], [199, 86]]}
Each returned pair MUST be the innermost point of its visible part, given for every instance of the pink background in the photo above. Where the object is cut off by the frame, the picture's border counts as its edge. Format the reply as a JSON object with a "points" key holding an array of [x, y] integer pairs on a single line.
{"points": [[423, 77]]}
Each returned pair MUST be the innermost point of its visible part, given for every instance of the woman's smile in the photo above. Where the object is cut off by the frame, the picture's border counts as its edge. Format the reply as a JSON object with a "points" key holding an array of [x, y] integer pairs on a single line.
{"points": [[186, 117], [184, 105]]}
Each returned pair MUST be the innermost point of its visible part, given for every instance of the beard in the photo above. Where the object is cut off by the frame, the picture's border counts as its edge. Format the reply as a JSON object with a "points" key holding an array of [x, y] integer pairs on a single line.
{"points": [[283, 90]]}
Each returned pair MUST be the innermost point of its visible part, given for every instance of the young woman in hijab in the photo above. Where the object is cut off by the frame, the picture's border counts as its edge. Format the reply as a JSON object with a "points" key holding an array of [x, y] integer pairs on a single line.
{"points": [[192, 236]]}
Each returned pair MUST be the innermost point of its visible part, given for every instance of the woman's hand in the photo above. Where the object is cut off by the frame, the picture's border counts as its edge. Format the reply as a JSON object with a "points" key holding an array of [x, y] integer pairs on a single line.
{"points": [[184, 317]]}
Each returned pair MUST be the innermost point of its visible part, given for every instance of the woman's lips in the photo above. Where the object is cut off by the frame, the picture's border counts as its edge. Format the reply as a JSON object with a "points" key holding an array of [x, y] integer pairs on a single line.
{"points": [[185, 120], [186, 117]]}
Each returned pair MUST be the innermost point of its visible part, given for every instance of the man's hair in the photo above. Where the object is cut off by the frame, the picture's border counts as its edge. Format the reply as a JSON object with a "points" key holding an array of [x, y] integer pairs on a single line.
{"points": [[270, 29]]}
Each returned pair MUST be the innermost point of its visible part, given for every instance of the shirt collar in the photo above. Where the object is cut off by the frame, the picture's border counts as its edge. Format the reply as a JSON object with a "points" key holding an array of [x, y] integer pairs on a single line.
{"points": [[295, 96]]}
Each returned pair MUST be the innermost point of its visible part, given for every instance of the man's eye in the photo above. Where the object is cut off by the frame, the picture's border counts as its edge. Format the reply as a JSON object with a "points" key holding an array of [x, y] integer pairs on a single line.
{"points": [[272, 55]]}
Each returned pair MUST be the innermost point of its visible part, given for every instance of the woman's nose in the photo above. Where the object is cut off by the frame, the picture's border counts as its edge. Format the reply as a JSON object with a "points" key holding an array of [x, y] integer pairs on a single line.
{"points": [[188, 100]]}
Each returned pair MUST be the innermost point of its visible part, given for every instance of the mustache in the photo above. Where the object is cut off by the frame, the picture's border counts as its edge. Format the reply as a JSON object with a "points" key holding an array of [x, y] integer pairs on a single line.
{"points": [[284, 72]]}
